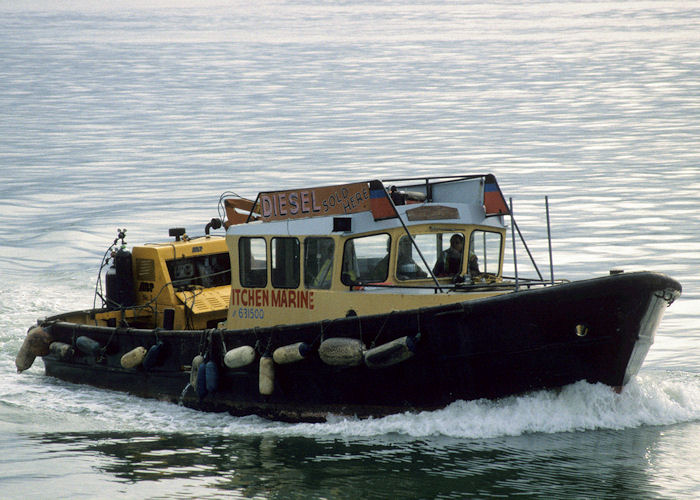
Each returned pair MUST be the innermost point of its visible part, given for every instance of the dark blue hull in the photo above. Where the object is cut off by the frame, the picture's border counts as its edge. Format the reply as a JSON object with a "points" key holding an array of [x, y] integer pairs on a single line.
{"points": [[597, 330]]}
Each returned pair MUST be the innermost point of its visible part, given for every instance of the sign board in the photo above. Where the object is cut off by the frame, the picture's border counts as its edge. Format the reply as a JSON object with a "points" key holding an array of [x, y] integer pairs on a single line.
{"points": [[314, 202]]}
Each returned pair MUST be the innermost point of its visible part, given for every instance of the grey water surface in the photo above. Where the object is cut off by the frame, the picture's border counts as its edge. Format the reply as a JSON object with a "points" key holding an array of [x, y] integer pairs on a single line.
{"points": [[141, 116]]}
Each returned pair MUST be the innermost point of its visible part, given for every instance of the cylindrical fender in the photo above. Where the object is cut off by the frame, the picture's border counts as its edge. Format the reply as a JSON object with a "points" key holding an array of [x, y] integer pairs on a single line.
{"points": [[61, 350], [266, 378], [391, 353], [239, 357], [340, 351], [194, 370], [212, 371], [153, 356], [133, 358], [88, 346], [201, 380], [291, 353]]}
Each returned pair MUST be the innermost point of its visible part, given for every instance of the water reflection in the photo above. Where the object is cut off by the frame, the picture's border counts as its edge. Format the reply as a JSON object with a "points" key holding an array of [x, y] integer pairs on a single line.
{"points": [[139, 116], [624, 464]]}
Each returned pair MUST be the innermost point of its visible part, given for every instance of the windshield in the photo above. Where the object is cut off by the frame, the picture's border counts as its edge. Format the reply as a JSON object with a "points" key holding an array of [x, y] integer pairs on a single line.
{"points": [[484, 252], [443, 251]]}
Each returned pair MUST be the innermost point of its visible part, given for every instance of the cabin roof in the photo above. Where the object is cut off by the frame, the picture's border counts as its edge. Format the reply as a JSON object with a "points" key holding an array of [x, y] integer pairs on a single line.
{"points": [[370, 206], [364, 222]]}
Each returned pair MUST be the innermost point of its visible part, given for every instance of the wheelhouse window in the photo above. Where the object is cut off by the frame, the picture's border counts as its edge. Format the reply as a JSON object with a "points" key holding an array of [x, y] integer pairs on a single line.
{"points": [[285, 262], [252, 262], [409, 265], [318, 262], [443, 251], [450, 254], [366, 259], [203, 270], [484, 252]]}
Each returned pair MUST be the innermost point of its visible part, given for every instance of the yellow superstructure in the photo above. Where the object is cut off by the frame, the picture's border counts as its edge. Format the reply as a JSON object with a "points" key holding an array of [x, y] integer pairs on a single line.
{"points": [[302, 299], [308, 255], [179, 285]]}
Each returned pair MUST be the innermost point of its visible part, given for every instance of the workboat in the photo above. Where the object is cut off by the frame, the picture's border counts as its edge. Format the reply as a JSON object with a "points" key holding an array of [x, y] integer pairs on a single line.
{"points": [[362, 299]]}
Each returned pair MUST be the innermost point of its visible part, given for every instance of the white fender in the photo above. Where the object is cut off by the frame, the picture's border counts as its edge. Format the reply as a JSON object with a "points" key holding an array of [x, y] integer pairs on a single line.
{"points": [[194, 371], [240, 356], [340, 351], [133, 358], [291, 353], [266, 380]]}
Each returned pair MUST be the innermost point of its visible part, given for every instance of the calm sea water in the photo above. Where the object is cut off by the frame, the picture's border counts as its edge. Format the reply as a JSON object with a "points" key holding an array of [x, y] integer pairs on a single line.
{"points": [[140, 117]]}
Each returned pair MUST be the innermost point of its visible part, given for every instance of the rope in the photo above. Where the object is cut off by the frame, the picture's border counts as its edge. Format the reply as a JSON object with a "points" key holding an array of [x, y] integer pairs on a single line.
{"points": [[109, 341], [269, 343], [381, 329], [359, 327], [257, 341], [223, 342], [208, 332], [200, 347], [418, 334]]}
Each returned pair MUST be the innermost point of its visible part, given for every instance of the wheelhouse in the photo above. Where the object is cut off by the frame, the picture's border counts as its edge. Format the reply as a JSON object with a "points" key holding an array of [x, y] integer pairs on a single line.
{"points": [[436, 237]]}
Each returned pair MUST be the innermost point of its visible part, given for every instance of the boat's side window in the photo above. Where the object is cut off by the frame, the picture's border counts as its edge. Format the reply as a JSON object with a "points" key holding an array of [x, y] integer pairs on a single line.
{"points": [[204, 270], [318, 262], [484, 252], [252, 262], [366, 259], [285, 262]]}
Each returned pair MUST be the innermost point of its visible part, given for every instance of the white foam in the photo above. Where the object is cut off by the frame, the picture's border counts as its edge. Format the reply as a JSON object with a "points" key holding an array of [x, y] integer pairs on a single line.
{"points": [[656, 398]]}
